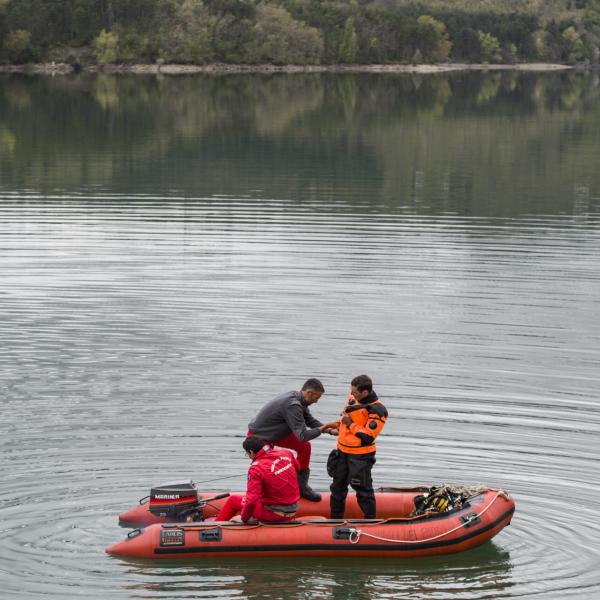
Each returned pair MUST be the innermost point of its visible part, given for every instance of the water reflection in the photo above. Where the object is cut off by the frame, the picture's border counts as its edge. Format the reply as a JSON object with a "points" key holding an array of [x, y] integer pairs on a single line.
{"points": [[484, 573], [162, 237], [505, 143]]}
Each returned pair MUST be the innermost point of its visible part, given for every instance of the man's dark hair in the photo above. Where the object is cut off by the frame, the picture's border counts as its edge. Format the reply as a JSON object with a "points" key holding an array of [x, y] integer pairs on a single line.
{"points": [[362, 383], [253, 443], [313, 385]]}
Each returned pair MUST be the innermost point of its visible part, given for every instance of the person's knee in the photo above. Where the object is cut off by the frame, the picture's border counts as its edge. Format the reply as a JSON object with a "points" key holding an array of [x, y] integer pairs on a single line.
{"points": [[232, 505], [361, 488], [304, 450], [339, 490]]}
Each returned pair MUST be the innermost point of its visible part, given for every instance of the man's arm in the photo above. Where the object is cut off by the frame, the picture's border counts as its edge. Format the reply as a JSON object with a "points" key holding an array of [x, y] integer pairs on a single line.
{"points": [[294, 417], [376, 420], [310, 420], [253, 494]]}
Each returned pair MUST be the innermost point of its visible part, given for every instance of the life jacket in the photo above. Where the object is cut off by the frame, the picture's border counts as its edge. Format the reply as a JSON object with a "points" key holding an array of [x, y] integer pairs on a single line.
{"points": [[368, 418]]}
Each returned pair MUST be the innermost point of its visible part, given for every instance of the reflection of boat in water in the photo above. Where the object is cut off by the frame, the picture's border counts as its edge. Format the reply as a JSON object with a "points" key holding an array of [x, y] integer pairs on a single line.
{"points": [[395, 533], [483, 572]]}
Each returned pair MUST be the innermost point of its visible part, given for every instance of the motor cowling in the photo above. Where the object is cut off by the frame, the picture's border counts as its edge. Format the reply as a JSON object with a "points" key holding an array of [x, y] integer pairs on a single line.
{"points": [[174, 500]]}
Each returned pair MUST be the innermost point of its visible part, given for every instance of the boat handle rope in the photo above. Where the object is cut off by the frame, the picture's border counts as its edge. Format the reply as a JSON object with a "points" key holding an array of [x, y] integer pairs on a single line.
{"points": [[353, 531], [355, 534]]}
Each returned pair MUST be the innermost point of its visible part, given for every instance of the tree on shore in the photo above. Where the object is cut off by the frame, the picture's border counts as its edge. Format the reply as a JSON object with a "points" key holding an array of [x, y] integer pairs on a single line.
{"points": [[188, 40], [573, 50], [348, 49], [280, 39], [334, 31], [106, 47], [490, 48], [432, 39], [17, 46]]}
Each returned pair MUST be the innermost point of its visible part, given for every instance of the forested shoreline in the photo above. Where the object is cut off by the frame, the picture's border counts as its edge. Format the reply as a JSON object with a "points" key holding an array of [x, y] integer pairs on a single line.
{"points": [[84, 33]]}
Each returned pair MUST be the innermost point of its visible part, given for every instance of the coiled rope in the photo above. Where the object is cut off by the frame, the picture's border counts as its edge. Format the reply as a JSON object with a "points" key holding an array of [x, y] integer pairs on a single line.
{"points": [[355, 534]]}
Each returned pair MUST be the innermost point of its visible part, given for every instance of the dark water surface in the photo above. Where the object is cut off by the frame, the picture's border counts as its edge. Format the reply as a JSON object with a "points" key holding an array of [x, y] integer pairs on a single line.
{"points": [[176, 251]]}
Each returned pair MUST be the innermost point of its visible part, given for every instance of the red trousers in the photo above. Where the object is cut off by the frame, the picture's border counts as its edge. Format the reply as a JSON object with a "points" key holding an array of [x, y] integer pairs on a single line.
{"points": [[234, 505], [302, 449]]}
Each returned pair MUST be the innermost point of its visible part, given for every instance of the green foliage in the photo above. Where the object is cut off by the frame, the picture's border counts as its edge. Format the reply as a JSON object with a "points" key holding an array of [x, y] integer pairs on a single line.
{"points": [[232, 29], [17, 46], [106, 47], [417, 58], [541, 44], [509, 53], [188, 39], [348, 49], [572, 45], [238, 9], [55, 22], [327, 16], [490, 48], [302, 31], [280, 39], [432, 39], [136, 46]]}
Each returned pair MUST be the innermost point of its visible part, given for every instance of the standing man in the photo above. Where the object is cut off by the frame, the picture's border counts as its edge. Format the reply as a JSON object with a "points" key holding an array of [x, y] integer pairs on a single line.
{"points": [[272, 491], [287, 422], [362, 421]]}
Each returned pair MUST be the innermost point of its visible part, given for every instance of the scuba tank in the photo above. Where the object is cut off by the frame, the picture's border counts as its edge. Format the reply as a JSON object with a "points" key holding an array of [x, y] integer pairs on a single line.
{"points": [[438, 500]]}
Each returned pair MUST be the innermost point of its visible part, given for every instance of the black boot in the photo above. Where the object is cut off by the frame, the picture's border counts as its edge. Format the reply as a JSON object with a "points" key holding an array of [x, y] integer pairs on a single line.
{"points": [[305, 490]]}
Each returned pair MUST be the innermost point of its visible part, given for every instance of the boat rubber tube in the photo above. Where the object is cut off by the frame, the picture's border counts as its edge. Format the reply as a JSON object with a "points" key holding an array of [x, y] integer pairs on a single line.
{"points": [[478, 521]]}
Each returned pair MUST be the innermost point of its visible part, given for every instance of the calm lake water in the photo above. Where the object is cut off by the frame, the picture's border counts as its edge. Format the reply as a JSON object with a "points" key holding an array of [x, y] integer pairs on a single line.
{"points": [[174, 252]]}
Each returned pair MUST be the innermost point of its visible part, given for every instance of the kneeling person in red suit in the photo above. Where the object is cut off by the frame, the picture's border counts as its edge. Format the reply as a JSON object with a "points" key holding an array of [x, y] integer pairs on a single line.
{"points": [[272, 492]]}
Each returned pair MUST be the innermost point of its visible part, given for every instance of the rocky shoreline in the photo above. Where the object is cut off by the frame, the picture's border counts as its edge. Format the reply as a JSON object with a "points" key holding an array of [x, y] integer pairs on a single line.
{"points": [[180, 69]]}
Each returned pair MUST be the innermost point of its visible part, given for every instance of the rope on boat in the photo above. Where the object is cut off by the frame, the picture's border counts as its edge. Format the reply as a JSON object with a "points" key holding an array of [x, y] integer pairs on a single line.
{"points": [[355, 534]]}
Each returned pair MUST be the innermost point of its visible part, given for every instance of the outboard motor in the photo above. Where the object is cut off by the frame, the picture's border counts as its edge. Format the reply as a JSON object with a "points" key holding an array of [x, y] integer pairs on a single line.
{"points": [[175, 500]]}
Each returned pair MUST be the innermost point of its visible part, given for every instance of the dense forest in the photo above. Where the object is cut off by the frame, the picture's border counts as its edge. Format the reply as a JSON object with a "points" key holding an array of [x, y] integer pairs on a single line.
{"points": [[82, 32]]}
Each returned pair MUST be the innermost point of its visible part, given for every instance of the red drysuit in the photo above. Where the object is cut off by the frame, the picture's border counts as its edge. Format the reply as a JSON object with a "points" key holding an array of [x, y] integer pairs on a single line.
{"points": [[272, 491]]}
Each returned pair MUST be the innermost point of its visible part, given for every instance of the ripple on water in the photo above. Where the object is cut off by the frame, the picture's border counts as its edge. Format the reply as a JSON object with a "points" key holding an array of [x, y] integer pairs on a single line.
{"points": [[140, 337]]}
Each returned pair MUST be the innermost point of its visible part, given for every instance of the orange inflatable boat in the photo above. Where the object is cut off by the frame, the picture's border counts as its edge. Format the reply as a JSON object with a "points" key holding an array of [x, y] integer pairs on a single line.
{"points": [[395, 533]]}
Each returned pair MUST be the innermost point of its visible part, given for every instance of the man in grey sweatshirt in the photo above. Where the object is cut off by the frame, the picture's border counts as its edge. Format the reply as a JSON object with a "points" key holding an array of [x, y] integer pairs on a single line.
{"points": [[287, 422]]}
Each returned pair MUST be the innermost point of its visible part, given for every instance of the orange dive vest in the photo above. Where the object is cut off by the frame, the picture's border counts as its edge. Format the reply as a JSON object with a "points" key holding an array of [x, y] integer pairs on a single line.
{"points": [[367, 422]]}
